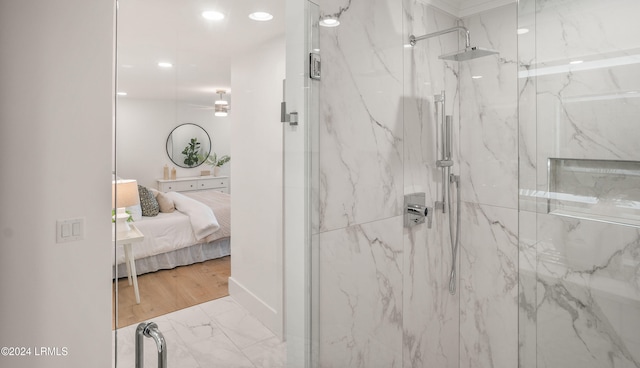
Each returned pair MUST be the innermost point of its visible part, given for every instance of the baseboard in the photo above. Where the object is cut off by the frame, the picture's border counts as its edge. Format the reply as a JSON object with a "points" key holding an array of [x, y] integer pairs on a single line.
{"points": [[258, 308]]}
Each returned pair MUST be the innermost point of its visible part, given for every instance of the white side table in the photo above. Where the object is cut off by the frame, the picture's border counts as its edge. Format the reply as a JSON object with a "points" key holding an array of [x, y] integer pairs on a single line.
{"points": [[126, 240]]}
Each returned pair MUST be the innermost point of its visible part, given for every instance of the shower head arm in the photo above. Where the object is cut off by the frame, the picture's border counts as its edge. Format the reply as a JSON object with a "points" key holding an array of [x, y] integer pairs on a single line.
{"points": [[413, 39]]}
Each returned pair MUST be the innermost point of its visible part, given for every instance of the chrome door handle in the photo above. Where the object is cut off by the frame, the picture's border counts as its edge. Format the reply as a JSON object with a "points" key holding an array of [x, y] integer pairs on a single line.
{"points": [[150, 329]]}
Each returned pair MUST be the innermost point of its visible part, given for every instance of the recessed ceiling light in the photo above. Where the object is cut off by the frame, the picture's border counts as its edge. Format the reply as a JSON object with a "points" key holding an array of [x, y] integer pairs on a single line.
{"points": [[476, 76], [164, 64], [574, 62], [261, 16], [329, 22], [522, 31], [122, 93], [213, 15]]}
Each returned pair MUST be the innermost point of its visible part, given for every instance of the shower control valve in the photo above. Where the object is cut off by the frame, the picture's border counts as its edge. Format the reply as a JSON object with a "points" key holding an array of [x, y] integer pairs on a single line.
{"points": [[415, 212]]}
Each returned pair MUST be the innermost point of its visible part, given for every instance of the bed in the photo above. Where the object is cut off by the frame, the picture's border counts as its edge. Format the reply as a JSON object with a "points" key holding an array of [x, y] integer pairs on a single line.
{"points": [[173, 239]]}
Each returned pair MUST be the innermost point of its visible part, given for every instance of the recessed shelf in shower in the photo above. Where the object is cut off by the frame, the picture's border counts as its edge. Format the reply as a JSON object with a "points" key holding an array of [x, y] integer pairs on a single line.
{"points": [[598, 190]]}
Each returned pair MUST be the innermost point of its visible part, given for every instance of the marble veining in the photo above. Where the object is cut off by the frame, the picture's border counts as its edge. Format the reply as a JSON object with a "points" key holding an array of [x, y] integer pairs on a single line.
{"points": [[588, 293], [430, 313], [219, 333], [489, 111], [361, 289], [489, 287], [361, 117], [579, 279]]}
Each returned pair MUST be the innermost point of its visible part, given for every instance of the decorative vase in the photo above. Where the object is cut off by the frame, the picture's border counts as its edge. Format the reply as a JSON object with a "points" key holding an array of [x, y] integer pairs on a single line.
{"points": [[216, 170]]}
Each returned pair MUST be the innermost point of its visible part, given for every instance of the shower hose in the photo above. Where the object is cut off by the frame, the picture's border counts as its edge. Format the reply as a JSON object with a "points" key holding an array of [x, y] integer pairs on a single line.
{"points": [[454, 241]]}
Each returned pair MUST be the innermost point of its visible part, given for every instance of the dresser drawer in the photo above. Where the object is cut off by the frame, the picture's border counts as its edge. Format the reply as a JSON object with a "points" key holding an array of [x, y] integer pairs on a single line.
{"points": [[179, 186], [220, 183], [213, 183]]}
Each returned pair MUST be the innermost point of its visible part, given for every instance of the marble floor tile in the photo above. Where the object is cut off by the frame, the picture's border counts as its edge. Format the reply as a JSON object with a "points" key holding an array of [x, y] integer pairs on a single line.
{"points": [[219, 351], [242, 328], [219, 333], [193, 325], [269, 353]]}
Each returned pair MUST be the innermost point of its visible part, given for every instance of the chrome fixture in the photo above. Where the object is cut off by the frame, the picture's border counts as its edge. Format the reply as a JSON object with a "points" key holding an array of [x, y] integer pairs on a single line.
{"points": [[467, 53], [446, 163], [292, 117], [150, 329], [416, 212]]}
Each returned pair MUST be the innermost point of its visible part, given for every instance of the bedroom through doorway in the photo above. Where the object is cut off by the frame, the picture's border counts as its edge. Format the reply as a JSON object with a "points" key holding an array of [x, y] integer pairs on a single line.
{"points": [[197, 128]]}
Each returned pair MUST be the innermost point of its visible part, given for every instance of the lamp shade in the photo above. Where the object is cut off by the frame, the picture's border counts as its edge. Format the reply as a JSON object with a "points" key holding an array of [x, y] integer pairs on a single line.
{"points": [[124, 193]]}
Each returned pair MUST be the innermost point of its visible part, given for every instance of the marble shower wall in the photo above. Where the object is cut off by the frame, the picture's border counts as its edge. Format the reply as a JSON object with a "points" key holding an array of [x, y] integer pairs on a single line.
{"points": [[361, 134], [431, 314], [384, 298], [489, 185], [361, 185], [579, 278]]}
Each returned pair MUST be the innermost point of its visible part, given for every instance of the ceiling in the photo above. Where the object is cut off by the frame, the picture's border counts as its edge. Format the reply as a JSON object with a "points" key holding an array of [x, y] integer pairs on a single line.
{"points": [[463, 8], [201, 50]]}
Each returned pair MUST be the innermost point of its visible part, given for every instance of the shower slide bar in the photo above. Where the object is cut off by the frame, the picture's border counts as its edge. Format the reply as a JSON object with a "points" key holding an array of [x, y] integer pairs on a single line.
{"points": [[448, 179], [150, 329], [445, 162]]}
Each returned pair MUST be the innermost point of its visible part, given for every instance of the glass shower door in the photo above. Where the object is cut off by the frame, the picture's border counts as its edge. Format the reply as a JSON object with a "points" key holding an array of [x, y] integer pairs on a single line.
{"points": [[579, 169], [300, 184]]}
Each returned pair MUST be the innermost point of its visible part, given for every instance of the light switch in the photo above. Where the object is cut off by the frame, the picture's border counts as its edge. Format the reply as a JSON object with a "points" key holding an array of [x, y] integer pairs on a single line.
{"points": [[76, 230], [66, 230], [69, 230]]}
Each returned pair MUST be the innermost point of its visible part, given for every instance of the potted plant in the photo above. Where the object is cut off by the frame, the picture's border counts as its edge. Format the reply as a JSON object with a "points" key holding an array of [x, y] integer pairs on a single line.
{"points": [[191, 151], [216, 162]]}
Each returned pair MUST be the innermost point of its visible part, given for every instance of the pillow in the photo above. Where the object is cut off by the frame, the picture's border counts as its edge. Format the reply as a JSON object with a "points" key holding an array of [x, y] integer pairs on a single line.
{"points": [[148, 202], [166, 203], [135, 211]]}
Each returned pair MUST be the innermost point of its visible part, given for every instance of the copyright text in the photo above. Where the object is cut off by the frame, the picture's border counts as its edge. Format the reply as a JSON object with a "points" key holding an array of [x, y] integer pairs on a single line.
{"points": [[47, 351]]}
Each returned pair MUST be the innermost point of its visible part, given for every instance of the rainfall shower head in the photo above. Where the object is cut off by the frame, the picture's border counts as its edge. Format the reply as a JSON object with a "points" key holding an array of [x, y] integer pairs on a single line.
{"points": [[468, 54], [461, 55]]}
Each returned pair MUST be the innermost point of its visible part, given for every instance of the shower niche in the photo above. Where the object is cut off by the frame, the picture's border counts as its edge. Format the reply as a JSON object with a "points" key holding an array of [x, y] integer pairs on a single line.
{"points": [[599, 190]]}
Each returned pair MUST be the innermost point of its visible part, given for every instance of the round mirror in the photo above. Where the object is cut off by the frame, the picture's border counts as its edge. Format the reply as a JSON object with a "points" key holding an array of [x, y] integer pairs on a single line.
{"points": [[188, 145]]}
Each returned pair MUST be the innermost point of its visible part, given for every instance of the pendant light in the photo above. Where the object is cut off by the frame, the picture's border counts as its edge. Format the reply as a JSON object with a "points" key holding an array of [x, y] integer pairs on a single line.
{"points": [[221, 105]]}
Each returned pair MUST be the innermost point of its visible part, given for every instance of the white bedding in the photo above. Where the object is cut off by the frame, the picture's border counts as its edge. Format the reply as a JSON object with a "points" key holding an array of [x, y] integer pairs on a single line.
{"points": [[162, 233], [167, 232], [203, 220]]}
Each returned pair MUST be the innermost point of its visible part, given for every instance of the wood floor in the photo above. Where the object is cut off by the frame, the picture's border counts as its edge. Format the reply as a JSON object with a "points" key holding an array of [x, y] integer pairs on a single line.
{"points": [[167, 291]]}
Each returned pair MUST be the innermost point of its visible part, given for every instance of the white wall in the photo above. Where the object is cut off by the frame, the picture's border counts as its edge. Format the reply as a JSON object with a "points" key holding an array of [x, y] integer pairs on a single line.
{"points": [[256, 203], [55, 148], [143, 127]]}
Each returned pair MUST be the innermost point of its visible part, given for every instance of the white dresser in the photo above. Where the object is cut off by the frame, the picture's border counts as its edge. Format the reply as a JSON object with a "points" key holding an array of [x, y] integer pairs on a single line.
{"points": [[219, 183]]}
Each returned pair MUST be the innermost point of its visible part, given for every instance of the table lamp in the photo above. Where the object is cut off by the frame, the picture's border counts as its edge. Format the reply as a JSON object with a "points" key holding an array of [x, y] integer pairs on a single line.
{"points": [[124, 193]]}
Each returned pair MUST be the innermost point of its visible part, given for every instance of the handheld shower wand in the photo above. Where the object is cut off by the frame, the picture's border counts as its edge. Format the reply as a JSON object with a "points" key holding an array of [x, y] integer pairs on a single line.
{"points": [[445, 163]]}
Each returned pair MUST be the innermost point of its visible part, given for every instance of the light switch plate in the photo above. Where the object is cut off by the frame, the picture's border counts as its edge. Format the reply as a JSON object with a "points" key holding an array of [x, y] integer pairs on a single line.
{"points": [[69, 230]]}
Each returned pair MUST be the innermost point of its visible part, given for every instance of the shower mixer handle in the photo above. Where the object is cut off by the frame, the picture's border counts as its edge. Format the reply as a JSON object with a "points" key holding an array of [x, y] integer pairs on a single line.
{"points": [[418, 213], [444, 163], [415, 212], [418, 209]]}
